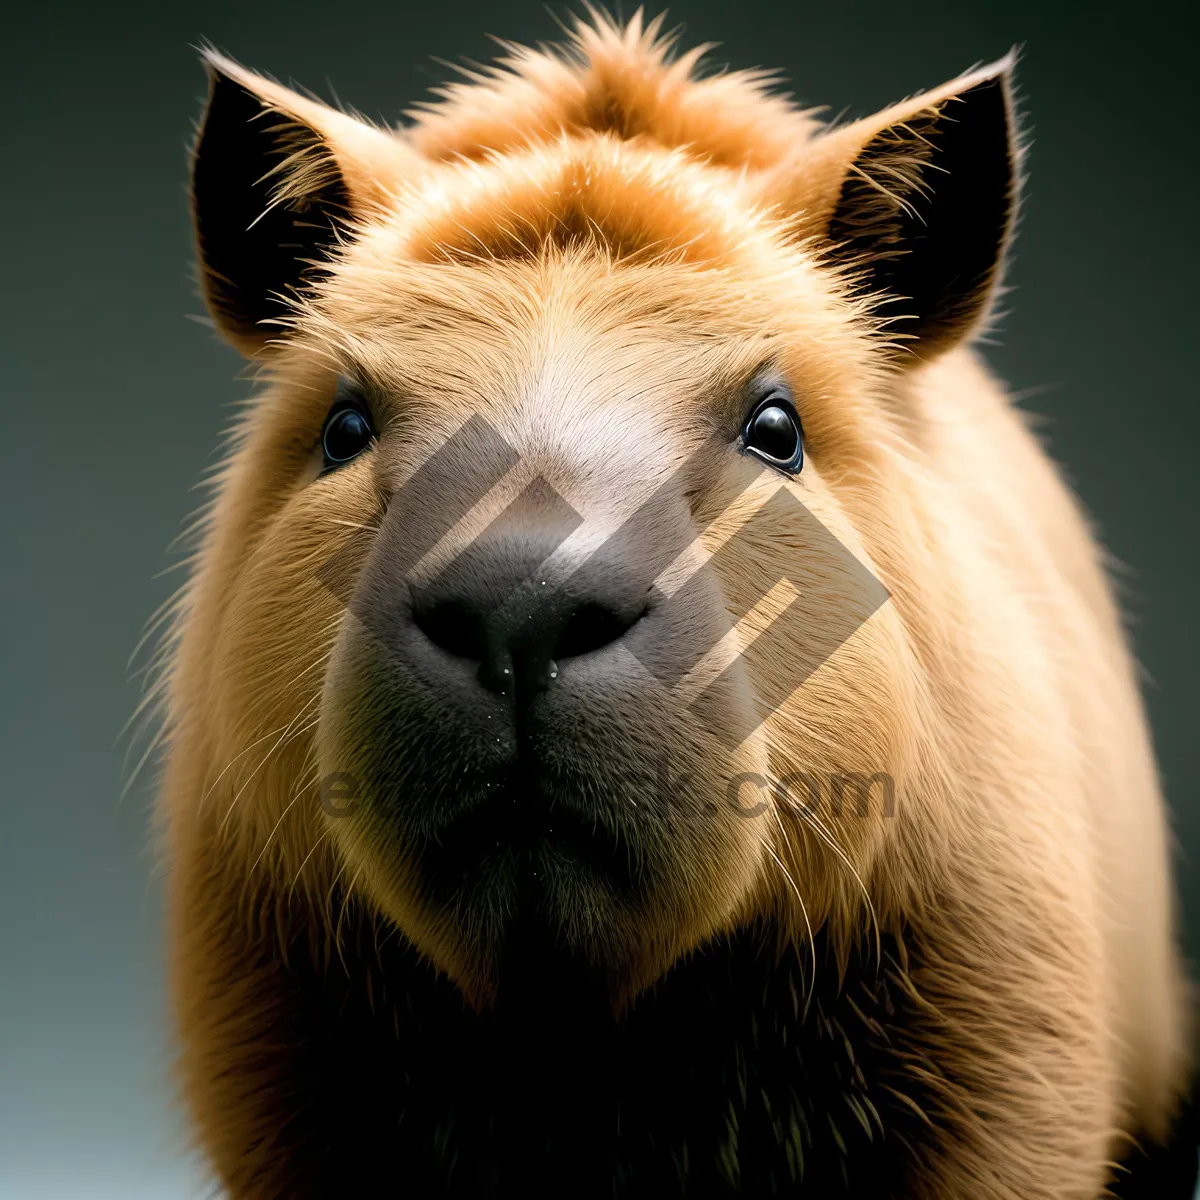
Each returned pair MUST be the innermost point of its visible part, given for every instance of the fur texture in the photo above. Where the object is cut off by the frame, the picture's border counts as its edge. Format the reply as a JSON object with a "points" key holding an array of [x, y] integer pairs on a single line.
{"points": [[977, 996]]}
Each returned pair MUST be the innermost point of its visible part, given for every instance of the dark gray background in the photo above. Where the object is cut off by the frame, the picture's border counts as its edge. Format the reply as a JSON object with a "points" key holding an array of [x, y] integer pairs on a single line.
{"points": [[114, 400]]}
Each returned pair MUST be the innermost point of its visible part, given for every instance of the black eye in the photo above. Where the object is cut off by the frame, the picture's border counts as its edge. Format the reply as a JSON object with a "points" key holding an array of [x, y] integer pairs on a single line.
{"points": [[347, 432], [773, 434]]}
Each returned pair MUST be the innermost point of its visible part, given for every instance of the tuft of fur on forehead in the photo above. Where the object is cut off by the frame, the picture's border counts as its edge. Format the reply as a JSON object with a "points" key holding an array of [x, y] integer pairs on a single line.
{"points": [[608, 79]]}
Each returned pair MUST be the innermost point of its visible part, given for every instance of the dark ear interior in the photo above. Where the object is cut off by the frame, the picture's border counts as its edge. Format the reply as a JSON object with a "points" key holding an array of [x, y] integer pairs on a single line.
{"points": [[257, 245], [926, 212]]}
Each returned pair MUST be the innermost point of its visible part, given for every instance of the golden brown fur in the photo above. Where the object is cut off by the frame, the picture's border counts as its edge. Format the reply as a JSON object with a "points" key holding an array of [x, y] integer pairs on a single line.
{"points": [[547, 245]]}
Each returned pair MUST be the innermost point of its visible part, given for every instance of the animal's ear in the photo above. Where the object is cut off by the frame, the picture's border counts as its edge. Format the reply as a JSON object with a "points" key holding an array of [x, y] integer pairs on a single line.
{"points": [[918, 202], [277, 180]]}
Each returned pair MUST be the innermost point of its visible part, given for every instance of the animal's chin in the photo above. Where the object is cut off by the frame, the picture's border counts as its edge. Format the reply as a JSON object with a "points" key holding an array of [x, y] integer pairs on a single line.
{"points": [[538, 910], [523, 904]]}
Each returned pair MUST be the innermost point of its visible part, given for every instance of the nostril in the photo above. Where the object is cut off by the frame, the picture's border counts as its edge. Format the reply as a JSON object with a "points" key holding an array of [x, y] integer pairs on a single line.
{"points": [[454, 626], [590, 627]]}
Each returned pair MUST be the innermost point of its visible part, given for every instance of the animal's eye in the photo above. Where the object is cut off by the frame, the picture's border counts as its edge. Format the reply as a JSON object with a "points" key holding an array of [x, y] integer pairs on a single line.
{"points": [[347, 431], [772, 432]]}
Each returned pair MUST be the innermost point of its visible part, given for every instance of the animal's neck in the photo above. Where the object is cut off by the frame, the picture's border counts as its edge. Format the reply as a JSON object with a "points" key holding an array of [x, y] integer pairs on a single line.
{"points": [[736, 1071]]}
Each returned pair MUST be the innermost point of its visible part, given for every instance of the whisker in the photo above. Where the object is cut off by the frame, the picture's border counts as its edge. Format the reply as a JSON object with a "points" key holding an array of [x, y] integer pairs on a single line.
{"points": [[337, 929], [240, 754], [812, 941], [283, 737], [304, 862], [287, 808], [818, 826]]}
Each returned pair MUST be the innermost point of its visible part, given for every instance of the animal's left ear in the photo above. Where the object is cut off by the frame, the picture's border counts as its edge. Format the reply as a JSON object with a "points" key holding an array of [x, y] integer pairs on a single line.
{"points": [[917, 202]]}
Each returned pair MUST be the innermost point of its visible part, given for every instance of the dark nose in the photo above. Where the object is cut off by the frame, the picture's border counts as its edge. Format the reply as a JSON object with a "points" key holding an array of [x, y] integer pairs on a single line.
{"points": [[495, 606]]}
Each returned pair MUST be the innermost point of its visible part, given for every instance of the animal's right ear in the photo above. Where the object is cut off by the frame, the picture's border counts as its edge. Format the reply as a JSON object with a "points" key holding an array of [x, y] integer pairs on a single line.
{"points": [[277, 181]]}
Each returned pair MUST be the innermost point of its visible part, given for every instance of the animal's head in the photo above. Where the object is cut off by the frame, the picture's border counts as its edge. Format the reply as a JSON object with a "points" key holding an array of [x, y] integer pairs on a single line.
{"points": [[563, 520]]}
